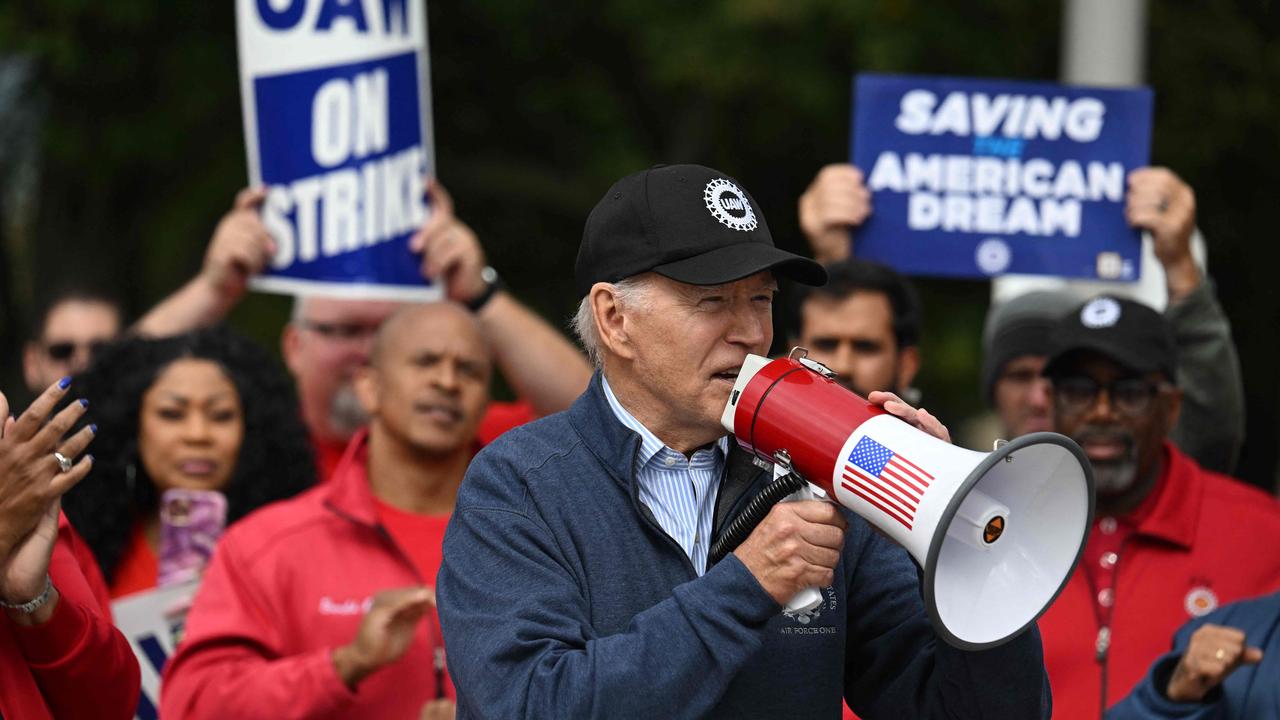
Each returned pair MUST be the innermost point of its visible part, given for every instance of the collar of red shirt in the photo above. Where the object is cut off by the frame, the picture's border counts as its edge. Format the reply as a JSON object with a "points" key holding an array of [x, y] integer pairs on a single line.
{"points": [[348, 492], [1172, 515]]}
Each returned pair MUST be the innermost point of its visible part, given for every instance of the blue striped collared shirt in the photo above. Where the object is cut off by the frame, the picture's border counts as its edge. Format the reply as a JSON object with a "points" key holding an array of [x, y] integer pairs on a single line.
{"points": [[679, 491]]}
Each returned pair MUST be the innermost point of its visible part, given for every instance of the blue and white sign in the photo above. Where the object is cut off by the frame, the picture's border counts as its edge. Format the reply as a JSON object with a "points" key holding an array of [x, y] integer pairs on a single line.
{"points": [[152, 621], [976, 178], [337, 125]]}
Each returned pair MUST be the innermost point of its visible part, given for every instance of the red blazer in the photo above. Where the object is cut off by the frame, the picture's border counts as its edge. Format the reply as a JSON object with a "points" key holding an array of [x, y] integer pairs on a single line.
{"points": [[76, 665]]}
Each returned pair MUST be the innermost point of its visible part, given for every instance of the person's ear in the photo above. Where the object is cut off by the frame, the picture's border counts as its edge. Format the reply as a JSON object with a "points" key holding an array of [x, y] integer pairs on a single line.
{"points": [[291, 348], [611, 321], [366, 385], [908, 366], [31, 366], [1173, 400]]}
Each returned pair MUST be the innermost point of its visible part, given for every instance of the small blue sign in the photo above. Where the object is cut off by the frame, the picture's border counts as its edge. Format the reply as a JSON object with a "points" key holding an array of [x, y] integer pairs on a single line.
{"points": [[977, 178]]}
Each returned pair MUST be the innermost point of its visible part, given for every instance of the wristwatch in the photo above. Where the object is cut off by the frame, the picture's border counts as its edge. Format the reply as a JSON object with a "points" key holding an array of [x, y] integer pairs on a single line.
{"points": [[31, 606], [493, 283]]}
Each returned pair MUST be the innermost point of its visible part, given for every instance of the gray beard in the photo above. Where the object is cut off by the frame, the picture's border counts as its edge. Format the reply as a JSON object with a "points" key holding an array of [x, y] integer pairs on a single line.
{"points": [[1114, 478], [346, 414]]}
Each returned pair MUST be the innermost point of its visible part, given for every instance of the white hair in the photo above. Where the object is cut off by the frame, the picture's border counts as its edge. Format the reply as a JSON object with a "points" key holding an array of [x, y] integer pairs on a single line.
{"points": [[630, 292]]}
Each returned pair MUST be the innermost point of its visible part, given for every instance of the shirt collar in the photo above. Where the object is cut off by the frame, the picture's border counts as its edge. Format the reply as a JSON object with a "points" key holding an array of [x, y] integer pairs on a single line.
{"points": [[1174, 514], [652, 449], [347, 491]]}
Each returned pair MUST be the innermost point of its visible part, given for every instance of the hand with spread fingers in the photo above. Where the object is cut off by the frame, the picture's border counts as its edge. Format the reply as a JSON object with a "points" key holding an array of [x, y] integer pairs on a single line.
{"points": [[37, 466], [384, 634], [920, 419], [1159, 202], [835, 201], [450, 250], [1213, 653]]}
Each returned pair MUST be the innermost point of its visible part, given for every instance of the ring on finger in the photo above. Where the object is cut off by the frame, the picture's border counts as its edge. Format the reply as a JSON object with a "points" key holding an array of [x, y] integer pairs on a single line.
{"points": [[64, 462], [1220, 654]]}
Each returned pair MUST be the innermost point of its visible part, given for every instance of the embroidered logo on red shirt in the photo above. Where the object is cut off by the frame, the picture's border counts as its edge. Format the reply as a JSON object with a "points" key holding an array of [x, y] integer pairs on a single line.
{"points": [[1200, 600]]}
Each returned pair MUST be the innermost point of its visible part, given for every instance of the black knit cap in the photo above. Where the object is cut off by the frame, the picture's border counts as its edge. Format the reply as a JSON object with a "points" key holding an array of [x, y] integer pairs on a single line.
{"points": [[1124, 330], [1017, 327], [686, 222]]}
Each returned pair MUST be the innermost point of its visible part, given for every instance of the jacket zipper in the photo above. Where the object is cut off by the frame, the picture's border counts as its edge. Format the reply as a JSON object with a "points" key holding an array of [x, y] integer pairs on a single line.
{"points": [[647, 514], [437, 640]]}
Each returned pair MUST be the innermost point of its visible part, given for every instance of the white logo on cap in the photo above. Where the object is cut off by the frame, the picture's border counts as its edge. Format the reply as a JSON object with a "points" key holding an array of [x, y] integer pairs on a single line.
{"points": [[729, 205], [1100, 313]]}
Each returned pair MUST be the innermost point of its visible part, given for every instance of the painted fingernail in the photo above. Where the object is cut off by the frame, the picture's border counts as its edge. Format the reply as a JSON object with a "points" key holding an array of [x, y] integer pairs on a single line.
{"points": [[64, 383], [84, 402], [93, 429]]}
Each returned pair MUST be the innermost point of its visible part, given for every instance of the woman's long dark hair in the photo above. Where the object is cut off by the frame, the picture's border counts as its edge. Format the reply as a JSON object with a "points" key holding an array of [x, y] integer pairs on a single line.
{"points": [[275, 460]]}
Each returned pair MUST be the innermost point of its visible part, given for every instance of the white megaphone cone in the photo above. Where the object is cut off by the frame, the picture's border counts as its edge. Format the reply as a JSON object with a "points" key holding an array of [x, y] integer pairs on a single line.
{"points": [[998, 534]]}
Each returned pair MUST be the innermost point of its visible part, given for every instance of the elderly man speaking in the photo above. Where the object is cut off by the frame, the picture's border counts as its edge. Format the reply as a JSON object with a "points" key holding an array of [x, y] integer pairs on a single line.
{"points": [[575, 580]]}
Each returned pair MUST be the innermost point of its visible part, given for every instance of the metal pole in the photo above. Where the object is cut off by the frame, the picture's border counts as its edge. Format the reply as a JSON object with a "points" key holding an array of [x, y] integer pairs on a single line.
{"points": [[1104, 43]]}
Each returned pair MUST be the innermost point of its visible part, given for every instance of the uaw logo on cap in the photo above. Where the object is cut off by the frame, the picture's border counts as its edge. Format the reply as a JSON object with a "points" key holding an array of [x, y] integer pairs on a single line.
{"points": [[1101, 313], [729, 205]]}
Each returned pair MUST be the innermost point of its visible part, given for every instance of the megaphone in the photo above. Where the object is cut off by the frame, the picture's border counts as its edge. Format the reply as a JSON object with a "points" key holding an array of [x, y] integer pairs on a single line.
{"points": [[997, 534]]}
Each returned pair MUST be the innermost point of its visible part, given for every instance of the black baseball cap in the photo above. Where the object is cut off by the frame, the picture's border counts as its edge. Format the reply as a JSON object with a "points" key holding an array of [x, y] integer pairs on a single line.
{"points": [[1124, 330], [685, 222]]}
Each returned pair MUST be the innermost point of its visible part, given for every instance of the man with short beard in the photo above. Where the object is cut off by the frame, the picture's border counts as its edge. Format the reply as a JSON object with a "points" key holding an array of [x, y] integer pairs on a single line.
{"points": [[864, 324], [321, 606], [1170, 540]]}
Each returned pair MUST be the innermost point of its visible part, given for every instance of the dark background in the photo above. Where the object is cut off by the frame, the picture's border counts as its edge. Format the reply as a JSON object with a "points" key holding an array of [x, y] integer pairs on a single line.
{"points": [[131, 121]]}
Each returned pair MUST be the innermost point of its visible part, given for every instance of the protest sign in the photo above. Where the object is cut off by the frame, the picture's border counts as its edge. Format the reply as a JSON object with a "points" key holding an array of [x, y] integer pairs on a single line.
{"points": [[152, 623], [337, 125], [976, 178]]}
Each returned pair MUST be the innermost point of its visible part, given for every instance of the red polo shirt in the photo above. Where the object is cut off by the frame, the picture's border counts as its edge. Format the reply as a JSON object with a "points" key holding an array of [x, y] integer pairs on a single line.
{"points": [[1199, 541]]}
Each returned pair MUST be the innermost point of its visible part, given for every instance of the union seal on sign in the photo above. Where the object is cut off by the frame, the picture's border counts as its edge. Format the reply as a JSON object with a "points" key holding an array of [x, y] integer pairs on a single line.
{"points": [[993, 256], [729, 205]]}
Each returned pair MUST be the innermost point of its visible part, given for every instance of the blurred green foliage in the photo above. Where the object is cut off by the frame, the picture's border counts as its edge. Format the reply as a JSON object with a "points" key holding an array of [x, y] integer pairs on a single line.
{"points": [[540, 106]]}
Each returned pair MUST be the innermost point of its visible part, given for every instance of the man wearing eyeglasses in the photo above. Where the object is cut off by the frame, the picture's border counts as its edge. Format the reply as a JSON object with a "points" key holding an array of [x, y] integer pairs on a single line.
{"points": [[1170, 540], [71, 326]]}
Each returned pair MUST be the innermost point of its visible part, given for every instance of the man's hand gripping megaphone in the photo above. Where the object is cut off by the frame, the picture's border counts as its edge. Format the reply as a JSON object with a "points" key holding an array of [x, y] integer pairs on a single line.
{"points": [[786, 479], [995, 534]]}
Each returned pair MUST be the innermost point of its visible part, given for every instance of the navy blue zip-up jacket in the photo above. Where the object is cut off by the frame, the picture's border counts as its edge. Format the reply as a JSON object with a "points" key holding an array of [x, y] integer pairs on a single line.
{"points": [[1250, 692], [561, 597]]}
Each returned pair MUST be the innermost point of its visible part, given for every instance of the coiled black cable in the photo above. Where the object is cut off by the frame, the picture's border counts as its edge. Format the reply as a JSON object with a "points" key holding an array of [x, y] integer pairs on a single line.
{"points": [[750, 517]]}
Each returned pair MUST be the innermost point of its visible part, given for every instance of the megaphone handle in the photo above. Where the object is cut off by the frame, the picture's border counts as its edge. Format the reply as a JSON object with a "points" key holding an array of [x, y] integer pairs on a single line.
{"points": [[804, 601], [810, 597]]}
